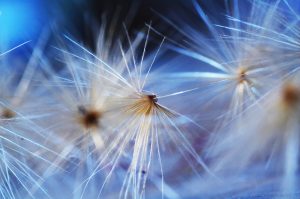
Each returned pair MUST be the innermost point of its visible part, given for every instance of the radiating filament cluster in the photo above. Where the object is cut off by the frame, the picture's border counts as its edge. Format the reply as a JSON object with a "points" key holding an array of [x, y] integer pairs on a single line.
{"points": [[212, 111]]}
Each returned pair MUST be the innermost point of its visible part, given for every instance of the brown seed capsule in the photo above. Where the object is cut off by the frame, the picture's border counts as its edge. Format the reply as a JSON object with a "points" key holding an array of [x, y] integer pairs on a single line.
{"points": [[7, 113], [146, 105], [89, 118], [242, 76], [152, 98], [290, 95], [143, 105], [151, 104]]}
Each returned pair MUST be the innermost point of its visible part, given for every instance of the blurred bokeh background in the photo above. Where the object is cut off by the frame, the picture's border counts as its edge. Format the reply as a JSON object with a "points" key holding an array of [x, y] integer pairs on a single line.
{"points": [[29, 20], [22, 20]]}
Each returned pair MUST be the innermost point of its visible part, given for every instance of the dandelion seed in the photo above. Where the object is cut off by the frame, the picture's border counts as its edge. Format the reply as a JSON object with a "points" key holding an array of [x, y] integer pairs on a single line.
{"points": [[270, 146], [243, 65], [21, 143]]}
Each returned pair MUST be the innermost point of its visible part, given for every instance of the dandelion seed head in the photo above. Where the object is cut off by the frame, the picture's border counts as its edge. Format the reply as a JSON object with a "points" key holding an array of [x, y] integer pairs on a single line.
{"points": [[133, 119]]}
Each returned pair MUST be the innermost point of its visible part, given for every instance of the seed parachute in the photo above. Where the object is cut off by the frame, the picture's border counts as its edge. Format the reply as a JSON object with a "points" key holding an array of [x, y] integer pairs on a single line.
{"points": [[200, 99]]}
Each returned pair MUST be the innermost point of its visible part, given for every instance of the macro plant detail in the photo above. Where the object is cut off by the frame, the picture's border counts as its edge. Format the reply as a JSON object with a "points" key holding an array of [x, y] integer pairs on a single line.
{"points": [[194, 99]]}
